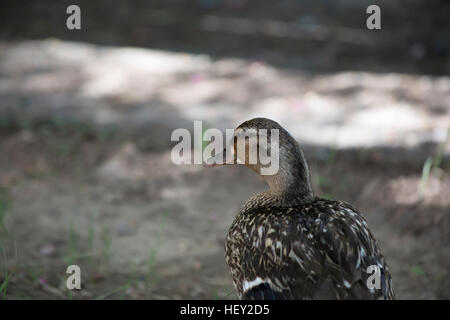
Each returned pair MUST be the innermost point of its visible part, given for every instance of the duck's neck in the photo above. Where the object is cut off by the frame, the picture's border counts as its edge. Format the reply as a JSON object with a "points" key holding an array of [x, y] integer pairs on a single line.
{"points": [[291, 184], [270, 199]]}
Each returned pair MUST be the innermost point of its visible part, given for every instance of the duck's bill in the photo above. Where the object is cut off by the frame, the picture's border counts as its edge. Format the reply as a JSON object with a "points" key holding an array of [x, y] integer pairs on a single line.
{"points": [[220, 159]]}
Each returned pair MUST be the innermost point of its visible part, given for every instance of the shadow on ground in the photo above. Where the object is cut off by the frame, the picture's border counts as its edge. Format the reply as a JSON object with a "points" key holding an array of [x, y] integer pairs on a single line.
{"points": [[85, 171]]}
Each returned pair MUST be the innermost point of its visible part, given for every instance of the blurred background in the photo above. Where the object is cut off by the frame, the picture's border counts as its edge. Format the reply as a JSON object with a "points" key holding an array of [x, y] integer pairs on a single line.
{"points": [[86, 118]]}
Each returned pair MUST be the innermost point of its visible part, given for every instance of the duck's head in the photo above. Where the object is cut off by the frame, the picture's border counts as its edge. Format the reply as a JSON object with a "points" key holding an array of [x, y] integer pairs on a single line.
{"points": [[268, 149]]}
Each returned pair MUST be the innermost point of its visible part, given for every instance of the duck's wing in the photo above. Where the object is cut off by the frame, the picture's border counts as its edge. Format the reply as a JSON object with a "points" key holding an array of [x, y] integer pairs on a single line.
{"points": [[256, 247], [323, 253], [350, 254]]}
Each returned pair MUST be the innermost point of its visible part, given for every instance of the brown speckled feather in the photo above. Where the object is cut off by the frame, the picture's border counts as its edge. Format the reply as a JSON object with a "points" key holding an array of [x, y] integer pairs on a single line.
{"points": [[318, 250]]}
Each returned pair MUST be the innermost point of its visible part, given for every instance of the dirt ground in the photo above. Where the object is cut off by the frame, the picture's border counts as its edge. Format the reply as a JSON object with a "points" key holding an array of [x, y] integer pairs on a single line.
{"points": [[86, 175], [158, 231]]}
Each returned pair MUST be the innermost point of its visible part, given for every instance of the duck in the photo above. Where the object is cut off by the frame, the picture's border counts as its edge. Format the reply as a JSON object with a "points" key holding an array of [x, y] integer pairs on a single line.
{"points": [[287, 244]]}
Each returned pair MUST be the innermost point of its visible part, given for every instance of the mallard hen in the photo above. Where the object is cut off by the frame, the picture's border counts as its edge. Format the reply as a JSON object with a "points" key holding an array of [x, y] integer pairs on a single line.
{"points": [[287, 244]]}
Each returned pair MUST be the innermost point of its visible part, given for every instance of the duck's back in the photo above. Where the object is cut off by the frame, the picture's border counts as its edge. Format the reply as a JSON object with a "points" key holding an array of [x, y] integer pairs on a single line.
{"points": [[322, 249]]}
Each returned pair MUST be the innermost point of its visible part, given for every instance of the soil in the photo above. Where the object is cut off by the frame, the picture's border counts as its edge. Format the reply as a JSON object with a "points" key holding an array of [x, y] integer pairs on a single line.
{"points": [[157, 230], [86, 175]]}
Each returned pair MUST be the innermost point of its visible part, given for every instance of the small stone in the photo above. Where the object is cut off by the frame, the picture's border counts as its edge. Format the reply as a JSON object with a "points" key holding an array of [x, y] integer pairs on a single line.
{"points": [[47, 250]]}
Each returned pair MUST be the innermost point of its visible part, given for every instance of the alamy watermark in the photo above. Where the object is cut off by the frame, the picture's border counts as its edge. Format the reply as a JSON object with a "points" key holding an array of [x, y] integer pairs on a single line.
{"points": [[259, 148], [374, 280], [73, 21], [373, 22], [74, 280]]}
